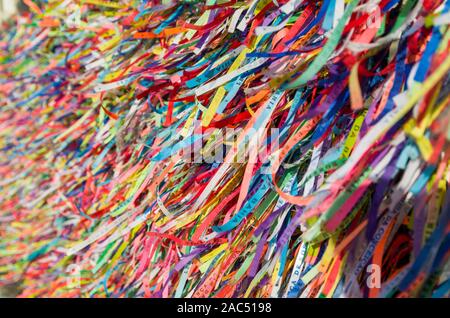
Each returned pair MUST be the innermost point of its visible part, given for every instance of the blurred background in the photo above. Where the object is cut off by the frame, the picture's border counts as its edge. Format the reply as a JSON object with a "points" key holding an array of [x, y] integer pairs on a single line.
{"points": [[7, 8]]}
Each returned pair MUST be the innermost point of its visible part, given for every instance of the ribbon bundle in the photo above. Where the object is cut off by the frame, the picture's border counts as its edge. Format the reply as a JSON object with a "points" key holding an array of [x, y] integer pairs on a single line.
{"points": [[226, 148]]}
